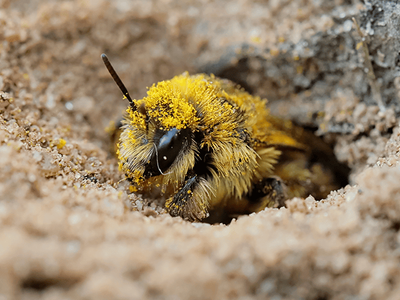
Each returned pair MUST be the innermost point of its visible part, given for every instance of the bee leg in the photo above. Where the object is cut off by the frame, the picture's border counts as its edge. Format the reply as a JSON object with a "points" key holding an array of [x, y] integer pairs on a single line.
{"points": [[268, 192], [188, 202]]}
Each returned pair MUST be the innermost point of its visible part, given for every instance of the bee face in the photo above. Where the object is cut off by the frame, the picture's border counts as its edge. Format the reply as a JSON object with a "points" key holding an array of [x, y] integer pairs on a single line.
{"points": [[158, 138], [213, 146]]}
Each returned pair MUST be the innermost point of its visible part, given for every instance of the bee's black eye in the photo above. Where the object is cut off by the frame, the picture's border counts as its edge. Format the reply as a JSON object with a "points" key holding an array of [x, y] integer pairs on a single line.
{"points": [[168, 146]]}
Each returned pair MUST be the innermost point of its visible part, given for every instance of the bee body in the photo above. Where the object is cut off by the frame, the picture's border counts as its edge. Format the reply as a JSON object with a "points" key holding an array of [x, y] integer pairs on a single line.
{"points": [[212, 146]]}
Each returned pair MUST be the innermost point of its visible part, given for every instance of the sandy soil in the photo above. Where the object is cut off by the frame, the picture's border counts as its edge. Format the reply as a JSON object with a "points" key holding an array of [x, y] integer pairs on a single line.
{"points": [[70, 229]]}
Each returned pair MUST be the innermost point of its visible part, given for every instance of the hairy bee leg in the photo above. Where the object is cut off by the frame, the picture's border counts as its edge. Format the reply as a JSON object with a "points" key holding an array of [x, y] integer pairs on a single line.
{"points": [[187, 202], [268, 192]]}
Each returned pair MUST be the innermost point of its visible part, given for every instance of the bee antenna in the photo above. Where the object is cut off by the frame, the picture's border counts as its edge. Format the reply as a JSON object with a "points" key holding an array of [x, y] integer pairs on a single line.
{"points": [[117, 80]]}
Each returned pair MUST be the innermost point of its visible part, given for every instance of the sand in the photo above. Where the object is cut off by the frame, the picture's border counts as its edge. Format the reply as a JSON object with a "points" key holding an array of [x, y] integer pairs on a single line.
{"points": [[70, 228]]}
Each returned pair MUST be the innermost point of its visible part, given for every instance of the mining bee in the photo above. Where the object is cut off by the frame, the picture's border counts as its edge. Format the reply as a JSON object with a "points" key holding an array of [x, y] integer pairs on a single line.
{"points": [[212, 148]]}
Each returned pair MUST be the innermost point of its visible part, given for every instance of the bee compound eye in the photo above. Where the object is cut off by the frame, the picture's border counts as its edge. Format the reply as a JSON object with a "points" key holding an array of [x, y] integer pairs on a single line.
{"points": [[168, 146]]}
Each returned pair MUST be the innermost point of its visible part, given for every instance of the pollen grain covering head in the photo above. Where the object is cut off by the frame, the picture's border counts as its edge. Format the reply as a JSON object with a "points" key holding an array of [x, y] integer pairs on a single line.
{"points": [[212, 147]]}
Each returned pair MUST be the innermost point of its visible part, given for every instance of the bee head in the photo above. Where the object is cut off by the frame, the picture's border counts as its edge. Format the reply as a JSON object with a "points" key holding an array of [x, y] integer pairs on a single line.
{"points": [[157, 132]]}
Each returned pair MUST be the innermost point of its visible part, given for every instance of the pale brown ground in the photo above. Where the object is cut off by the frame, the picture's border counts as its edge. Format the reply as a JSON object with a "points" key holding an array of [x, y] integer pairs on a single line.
{"points": [[70, 230]]}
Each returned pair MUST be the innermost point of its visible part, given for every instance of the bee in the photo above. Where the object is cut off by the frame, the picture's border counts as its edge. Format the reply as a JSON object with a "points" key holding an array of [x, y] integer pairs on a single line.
{"points": [[211, 147]]}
